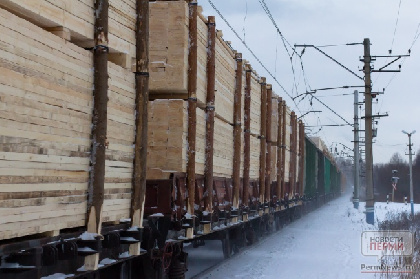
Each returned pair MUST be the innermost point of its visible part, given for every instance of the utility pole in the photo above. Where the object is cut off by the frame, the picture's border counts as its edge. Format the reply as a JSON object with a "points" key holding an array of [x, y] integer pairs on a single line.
{"points": [[394, 182], [370, 202], [356, 150], [411, 170]]}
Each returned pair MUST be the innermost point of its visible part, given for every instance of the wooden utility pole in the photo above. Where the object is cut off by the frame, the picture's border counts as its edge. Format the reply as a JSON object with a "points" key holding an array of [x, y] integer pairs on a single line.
{"points": [[192, 106], [99, 127], [237, 130], [370, 213], [142, 99], [209, 150], [356, 150]]}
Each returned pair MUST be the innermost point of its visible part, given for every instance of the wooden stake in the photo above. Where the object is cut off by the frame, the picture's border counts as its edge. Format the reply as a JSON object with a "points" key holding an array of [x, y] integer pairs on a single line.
{"points": [[268, 143], [301, 158], [283, 150], [142, 98], [279, 148], [247, 135], [211, 81], [192, 105], [291, 183], [263, 144], [292, 178], [237, 132], [99, 127]]}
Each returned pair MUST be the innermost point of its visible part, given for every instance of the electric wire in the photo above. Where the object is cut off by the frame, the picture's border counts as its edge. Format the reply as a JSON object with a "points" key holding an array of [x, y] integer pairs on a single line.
{"points": [[246, 15], [285, 42], [395, 29], [270, 16], [252, 53]]}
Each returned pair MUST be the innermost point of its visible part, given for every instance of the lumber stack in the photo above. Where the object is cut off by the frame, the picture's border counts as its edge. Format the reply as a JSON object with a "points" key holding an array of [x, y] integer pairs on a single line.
{"points": [[46, 92], [167, 138], [255, 105], [120, 152], [167, 141], [46, 114], [273, 161], [168, 42], [274, 119], [75, 20], [168, 82]]}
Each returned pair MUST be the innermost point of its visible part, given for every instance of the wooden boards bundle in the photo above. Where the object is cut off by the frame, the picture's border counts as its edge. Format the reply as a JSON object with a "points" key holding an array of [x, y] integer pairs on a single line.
{"points": [[75, 20], [167, 141], [169, 59], [46, 90], [168, 80]]}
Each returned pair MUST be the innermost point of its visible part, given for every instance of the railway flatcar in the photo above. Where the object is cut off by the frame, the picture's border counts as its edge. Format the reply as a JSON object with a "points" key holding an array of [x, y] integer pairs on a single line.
{"points": [[124, 136]]}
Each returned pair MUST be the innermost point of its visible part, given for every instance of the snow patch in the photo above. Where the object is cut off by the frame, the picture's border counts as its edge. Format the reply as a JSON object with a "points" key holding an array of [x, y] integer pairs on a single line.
{"points": [[57, 276]]}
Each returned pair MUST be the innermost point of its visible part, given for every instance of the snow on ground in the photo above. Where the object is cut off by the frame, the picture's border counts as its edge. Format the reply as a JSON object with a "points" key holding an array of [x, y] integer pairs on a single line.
{"points": [[325, 243]]}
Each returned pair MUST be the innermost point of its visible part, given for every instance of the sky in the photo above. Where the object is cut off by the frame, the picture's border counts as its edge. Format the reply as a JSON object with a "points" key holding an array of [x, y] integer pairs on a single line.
{"points": [[389, 24]]}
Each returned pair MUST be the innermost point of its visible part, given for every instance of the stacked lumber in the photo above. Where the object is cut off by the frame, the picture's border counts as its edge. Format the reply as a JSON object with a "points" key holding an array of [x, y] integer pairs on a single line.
{"points": [[46, 115], [255, 158], [202, 52], [223, 149], [75, 20], [225, 80], [167, 141], [255, 105], [46, 93], [169, 59], [168, 42], [273, 174], [274, 120], [167, 138], [120, 135]]}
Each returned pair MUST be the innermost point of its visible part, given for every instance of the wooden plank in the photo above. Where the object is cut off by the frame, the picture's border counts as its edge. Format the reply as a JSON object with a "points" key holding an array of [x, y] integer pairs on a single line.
{"points": [[43, 187], [77, 17]]}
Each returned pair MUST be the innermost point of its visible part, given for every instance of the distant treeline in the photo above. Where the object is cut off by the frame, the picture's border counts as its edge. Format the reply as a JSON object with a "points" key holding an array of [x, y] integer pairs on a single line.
{"points": [[382, 174]]}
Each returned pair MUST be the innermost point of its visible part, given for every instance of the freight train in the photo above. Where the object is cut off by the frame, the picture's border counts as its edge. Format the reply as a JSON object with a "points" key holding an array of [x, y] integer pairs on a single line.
{"points": [[129, 128]]}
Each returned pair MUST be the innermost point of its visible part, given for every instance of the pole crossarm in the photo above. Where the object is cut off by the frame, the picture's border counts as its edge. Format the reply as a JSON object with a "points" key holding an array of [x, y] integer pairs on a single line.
{"points": [[330, 57], [375, 116]]}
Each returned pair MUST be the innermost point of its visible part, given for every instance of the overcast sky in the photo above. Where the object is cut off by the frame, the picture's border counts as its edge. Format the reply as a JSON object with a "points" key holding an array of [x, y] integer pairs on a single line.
{"points": [[335, 22]]}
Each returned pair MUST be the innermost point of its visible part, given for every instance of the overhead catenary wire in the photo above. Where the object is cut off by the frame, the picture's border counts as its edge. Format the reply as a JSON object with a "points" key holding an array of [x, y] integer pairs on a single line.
{"points": [[252, 53], [270, 16], [416, 36], [395, 28], [267, 10], [285, 42]]}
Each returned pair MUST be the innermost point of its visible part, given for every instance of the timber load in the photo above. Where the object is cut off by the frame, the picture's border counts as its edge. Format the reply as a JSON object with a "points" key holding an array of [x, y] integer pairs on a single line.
{"points": [[128, 128]]}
